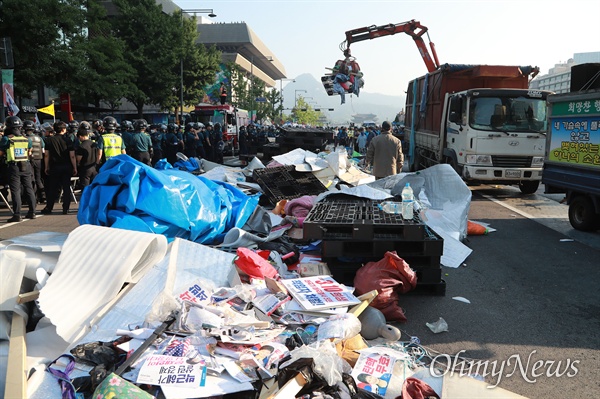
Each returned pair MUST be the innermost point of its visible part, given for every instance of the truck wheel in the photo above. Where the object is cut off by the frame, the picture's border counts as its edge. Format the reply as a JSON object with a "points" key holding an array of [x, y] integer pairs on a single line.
{"points": [[416, 166], [582, 214], [529, 186]]}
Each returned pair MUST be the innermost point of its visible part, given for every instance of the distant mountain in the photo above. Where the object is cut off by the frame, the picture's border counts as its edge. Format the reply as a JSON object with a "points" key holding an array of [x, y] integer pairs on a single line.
{"points": [[385, 107]]}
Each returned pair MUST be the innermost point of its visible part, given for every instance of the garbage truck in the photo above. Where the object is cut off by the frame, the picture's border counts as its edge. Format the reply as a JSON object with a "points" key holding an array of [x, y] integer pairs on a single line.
{"points": [[480, 119], [572, 163]]}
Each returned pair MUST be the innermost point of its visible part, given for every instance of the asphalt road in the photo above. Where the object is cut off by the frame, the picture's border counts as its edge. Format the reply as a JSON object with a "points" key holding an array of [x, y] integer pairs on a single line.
{"points": [[532, 284]]}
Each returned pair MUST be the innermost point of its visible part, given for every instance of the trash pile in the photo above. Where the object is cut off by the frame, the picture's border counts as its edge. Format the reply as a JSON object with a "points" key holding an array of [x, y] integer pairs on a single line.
{"points": [[183, 286]]}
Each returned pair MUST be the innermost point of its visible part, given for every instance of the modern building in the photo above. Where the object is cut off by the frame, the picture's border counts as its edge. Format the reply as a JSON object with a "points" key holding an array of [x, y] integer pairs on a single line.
{"points": [[558, 79]]}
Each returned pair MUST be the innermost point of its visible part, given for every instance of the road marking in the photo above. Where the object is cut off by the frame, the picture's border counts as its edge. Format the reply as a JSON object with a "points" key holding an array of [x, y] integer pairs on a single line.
{"points": [[13, 223], [512, 208]]}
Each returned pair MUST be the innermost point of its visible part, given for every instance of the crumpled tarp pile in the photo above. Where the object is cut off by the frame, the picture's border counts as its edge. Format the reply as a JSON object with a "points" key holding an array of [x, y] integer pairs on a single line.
{"points": [[130, 195]]}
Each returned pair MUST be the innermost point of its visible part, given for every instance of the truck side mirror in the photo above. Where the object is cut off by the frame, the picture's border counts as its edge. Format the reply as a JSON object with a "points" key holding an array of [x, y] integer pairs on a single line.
{"points": [[454, 117]]}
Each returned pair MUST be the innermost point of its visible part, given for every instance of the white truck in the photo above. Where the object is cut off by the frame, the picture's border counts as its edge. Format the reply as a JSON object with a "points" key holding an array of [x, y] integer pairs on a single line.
{"points": [[482, 120]]}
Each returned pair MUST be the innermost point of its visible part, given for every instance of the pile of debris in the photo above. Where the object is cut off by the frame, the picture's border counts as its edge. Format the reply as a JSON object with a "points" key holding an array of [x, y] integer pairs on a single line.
{"points": [[216, 296]]}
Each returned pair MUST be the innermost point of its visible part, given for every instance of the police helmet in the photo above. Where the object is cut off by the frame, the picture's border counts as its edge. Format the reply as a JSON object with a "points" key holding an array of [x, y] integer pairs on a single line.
{"points": [[73, 126], [13, 122], [127, 126], [189, 126], [162, 127], [28, 125], [140, 124], [109, 123], [85, 127], [172, 127]]}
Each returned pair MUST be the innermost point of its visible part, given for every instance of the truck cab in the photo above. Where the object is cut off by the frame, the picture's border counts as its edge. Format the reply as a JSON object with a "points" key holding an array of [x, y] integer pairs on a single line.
{"points": [[497, 135], [482, 120]]}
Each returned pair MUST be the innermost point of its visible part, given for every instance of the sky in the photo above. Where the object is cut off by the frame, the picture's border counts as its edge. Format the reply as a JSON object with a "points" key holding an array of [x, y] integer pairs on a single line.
{"points": [[305, 35]]}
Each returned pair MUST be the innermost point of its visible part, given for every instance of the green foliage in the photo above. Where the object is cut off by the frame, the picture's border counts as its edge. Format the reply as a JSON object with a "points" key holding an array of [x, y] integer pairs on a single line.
{"points": [[40, 35], [152, 47], [304, 114]]}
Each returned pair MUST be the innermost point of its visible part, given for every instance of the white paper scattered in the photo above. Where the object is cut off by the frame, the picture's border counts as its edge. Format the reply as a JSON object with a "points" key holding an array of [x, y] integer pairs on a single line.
{"points": [[566, 240], [461, 299], [438, 326]]}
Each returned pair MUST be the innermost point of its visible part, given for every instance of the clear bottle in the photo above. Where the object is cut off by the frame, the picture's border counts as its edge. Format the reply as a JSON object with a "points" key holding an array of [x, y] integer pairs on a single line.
{"points": [[407, 202]]}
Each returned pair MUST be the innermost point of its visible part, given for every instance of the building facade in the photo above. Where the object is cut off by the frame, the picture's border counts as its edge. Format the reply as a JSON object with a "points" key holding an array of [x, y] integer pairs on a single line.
{"points": [[558, 79]]}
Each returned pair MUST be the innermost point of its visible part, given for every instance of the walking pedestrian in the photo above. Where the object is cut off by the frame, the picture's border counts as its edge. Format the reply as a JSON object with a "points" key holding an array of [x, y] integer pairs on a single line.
{"points": [[385, 153]]}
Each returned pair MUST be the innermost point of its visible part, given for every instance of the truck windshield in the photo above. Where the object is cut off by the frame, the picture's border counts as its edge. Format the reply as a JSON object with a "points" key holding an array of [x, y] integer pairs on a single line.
{"points": [[508, 114]]}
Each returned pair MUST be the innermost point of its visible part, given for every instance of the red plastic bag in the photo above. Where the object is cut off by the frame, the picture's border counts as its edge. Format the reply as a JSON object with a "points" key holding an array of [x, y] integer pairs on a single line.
{"points": [[253, 264], [390, 276]]}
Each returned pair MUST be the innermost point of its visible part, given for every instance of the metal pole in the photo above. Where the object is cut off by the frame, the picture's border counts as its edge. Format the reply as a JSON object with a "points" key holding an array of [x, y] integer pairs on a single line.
{"points": [[181, 76]]}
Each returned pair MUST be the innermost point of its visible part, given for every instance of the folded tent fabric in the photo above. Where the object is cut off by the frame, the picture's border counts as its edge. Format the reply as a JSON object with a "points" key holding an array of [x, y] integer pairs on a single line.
{"points": [[130, 195]]}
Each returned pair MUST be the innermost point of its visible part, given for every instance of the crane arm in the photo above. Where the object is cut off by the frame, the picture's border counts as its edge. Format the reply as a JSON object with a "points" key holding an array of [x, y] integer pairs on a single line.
{"points": [[412, 28]]}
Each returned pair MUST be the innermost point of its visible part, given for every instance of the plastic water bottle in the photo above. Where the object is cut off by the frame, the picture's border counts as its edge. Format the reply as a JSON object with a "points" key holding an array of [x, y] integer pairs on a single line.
{"points": [[407, 202]]}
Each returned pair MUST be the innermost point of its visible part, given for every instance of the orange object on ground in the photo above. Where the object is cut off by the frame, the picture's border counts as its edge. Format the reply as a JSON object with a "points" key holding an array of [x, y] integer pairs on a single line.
{"points": [[475, 229]]}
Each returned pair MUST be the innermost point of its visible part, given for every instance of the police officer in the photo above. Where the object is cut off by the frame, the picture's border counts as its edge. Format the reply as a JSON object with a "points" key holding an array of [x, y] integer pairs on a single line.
{"points": [[110, 144], [190, 137], [173, 143], [72, 128], [138, 143], [17, 149], [86, 155], [217, 143], [158, 141], [60, 165], [37, 157]]}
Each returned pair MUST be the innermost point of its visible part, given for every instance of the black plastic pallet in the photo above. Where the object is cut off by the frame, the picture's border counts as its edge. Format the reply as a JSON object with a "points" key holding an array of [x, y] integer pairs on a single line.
{"points": [[284, 182], [359, 220], [376, 248], [436, 288], [429, 281]]}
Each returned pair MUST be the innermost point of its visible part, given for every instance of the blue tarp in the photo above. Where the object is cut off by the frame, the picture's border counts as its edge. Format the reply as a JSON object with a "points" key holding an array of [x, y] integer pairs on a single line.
{"points": [[129, 195]]}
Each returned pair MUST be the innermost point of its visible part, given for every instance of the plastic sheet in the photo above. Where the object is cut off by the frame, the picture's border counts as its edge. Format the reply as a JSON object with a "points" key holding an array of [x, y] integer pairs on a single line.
{"points": [[130, 195]]}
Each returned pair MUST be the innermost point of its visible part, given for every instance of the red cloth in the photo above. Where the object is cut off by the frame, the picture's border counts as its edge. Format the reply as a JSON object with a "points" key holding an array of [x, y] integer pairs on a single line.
{"points": [[414, 388], [389, 276]]}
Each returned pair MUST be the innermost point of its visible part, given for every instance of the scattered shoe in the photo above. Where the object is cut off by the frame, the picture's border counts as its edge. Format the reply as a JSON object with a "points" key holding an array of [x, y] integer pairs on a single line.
{"points": [[46, 211], [30, 216], [14, 219]]}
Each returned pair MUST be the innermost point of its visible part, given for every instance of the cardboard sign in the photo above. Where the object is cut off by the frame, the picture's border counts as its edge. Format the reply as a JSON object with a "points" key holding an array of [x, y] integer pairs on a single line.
{"points": [[320, 292], [171, 370]]}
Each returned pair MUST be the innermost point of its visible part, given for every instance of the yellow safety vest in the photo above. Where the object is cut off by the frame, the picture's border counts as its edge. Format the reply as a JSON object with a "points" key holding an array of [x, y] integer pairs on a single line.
{"points": [[112, 145], [18, 151]]}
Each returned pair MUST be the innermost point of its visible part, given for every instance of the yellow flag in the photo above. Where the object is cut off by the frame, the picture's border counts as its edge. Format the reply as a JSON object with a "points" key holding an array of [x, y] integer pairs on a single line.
{"points": [[47, 110]]}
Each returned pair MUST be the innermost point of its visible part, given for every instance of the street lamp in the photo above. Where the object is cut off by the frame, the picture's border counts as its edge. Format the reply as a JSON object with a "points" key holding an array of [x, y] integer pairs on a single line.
{"points": [[268, 58], [281, 94], [296, 96], [194, 11]]}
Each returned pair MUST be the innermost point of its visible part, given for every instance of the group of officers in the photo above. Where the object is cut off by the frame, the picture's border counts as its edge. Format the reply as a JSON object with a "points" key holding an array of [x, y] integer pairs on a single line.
{"points": [[37, 162]]}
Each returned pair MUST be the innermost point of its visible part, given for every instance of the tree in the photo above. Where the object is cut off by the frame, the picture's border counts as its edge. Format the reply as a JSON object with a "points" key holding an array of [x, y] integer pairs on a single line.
{"points": [[41, 33], [200, 65], [105, 75], [304, 114], [274, 97], [152, 47]]}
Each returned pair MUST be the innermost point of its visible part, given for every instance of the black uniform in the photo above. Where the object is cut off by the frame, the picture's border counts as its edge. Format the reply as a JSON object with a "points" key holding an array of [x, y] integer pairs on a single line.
{"points": [[86, 168], [60, 170]]}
